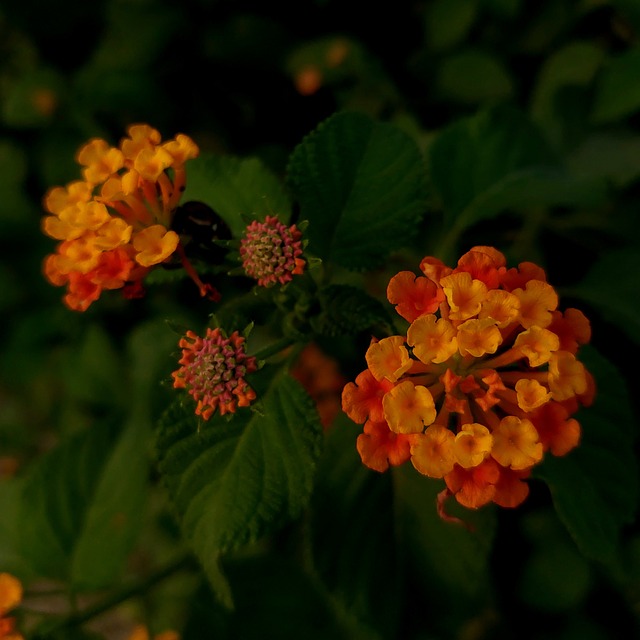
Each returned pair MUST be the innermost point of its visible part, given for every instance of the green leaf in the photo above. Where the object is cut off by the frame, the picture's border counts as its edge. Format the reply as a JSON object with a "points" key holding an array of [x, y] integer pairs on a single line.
{"points": [[611, 287], [361, 185], [473, 76], [450, 579], [348, 310], [81, 506], [595, 487], [236, 189], [555, 579], [447, 22], [555, 575], [134, 36], [152, 353], [92, 371], [10, 500], [502, 8], [235, 481], [613, 156], [573, 65], [114, 516], [276, 599], [618, 90], [354, 537], [474, 155], [495, 161]]}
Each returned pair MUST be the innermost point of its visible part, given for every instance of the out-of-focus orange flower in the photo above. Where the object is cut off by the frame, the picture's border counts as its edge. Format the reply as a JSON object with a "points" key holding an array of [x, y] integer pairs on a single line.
{"points": [[10, 598], [114, 226], [140, 632], [482, 385], [320, 375]]}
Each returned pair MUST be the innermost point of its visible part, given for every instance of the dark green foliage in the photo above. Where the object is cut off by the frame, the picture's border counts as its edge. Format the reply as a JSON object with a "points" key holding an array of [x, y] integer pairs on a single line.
{"points": [[348, 310], [386, 135]]}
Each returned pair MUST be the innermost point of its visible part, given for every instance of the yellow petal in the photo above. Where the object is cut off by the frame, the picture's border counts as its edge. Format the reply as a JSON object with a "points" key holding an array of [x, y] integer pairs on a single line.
{"points": [[432, 452], [154, 244], [408, 408]]}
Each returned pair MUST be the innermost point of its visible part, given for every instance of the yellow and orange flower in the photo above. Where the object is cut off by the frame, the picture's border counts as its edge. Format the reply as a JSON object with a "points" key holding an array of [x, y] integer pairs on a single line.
{"points": [[10, 598], [482, 385], [140, 632], [114, 226]]}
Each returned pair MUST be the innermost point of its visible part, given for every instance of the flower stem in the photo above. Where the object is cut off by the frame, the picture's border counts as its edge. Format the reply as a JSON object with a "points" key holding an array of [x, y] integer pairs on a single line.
{"points": [[134, 589]]}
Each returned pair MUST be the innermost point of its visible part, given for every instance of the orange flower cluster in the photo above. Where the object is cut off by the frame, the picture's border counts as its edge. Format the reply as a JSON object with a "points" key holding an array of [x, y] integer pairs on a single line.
{"points": [[115, 224], [482, 385], [10, 598]]}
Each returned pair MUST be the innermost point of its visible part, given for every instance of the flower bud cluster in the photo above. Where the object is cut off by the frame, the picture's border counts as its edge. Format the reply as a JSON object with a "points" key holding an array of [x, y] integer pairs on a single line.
{"points": [[270, 252], [213, 371]]}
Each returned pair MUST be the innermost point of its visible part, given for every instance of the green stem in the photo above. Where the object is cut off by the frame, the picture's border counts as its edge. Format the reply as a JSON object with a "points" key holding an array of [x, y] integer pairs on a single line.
{"points": [[114, 599]]}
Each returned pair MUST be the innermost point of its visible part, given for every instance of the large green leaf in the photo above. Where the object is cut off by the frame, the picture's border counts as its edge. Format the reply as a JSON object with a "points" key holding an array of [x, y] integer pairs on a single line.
{"points": [[234, 481], [354, 541], [595, 487], [618, 90], [276, 599], [82, 505], [473, 76], [361, 185], [495, 161], [614, 156], [555, 575], [237, 189], [451, 559], [114, 515], [573, 65], [611, 286], [447, 22]]}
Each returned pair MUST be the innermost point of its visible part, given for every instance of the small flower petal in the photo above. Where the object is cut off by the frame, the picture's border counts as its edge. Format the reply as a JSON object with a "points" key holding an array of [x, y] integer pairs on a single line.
{"points": [[472, 444], [464, 294], [154, 244], [388, 358], [433, 339], [408, 408], [432, 452], [516, 443]]}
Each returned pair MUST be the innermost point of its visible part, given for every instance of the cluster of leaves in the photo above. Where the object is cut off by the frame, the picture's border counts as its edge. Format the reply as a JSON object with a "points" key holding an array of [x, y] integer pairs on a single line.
{"points": [[266, 525]]}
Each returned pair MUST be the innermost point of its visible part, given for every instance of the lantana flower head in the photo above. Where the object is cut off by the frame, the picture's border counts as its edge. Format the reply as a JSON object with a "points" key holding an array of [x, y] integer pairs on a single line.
{"points": [[10, 598], [270, 251], [114, 225], [213, 370], [483, 384]]}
